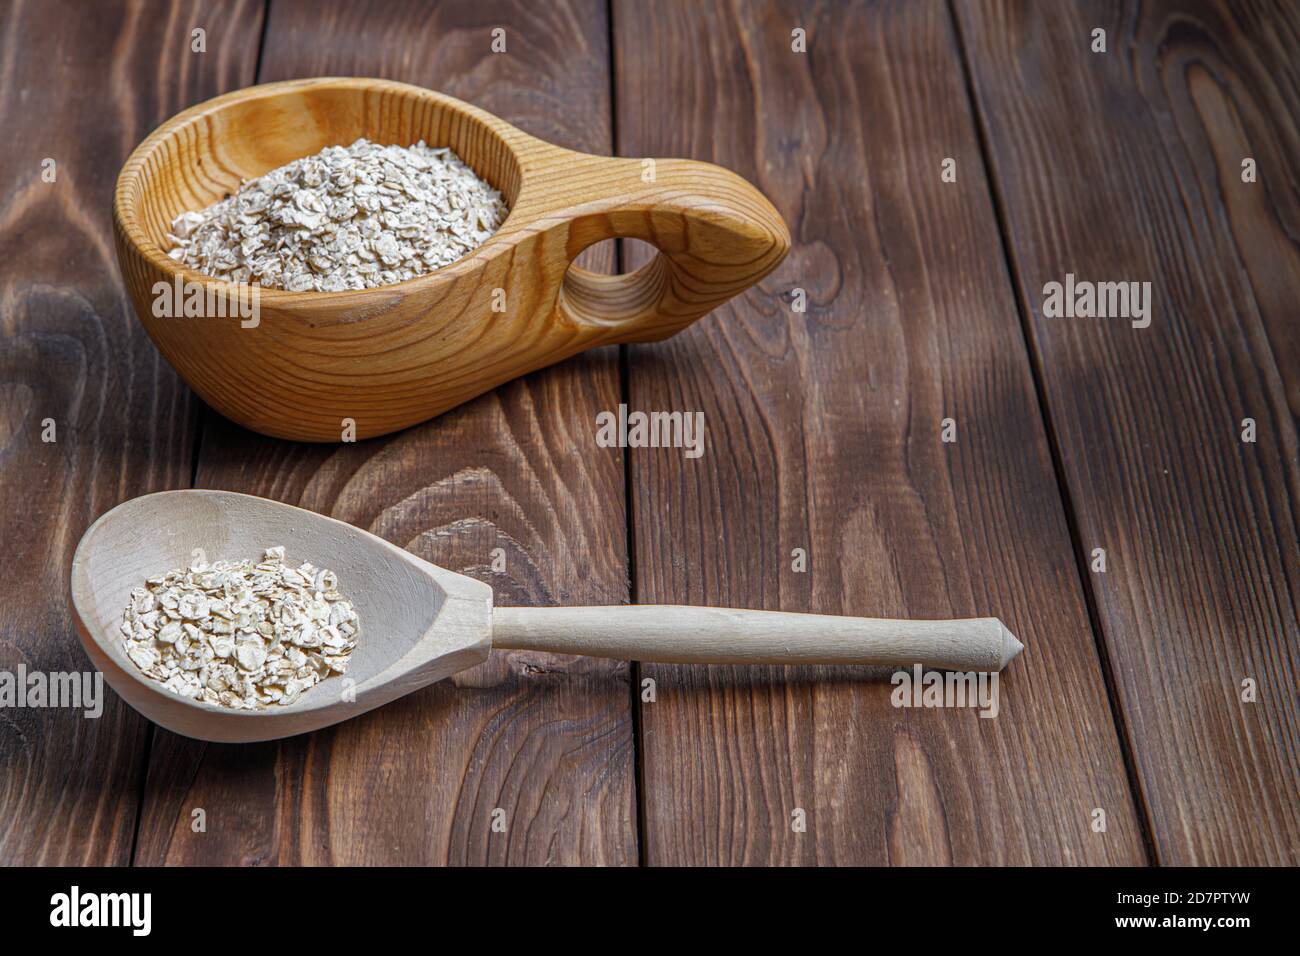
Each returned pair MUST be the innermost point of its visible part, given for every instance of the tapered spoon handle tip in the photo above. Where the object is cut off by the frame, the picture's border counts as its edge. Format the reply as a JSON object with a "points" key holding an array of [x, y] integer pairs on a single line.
{"points": [[1011, 647]]}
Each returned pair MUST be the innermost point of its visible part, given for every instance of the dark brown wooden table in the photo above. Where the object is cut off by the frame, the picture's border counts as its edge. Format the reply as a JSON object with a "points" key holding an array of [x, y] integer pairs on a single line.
{"points": [[924, 302]]}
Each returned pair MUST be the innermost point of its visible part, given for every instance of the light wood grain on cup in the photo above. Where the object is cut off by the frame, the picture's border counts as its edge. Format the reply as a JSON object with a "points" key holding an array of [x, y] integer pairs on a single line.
{"points": [[387, 358]]}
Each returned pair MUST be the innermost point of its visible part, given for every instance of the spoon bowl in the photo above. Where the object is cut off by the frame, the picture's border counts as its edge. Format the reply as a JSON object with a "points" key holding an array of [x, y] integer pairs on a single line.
{"points": [[300, 365], [419, 622]]}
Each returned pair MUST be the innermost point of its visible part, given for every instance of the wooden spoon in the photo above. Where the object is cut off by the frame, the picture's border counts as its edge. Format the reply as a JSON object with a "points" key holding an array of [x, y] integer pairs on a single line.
{"points": [[421, 623]]}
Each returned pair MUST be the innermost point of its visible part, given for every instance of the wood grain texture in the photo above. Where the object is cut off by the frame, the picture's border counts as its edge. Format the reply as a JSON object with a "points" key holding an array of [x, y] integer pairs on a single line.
{"points": [[1127, 166], [1239, 100], [824, 434], [72, 351], [547, 739], [394, 356]]}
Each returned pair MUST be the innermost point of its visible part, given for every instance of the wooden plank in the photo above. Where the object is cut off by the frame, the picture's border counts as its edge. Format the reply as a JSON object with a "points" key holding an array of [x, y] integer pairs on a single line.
{"points": [[1246, 107], [72, 351], [1127, 166], [546, 739], [824, 434]]}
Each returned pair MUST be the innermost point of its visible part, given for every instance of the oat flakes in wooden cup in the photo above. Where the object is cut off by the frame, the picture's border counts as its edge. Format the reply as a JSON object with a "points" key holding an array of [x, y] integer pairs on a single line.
{"points": [[390, 357]]}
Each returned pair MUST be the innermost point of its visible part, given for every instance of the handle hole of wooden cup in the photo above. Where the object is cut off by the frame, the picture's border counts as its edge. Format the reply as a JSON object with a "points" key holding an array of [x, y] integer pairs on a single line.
{"points": [[608, 300]]}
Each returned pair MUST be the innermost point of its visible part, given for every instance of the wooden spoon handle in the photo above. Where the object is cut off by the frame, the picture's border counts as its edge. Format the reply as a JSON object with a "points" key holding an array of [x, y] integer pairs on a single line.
{"points": [[718, 635], [716, 234]]}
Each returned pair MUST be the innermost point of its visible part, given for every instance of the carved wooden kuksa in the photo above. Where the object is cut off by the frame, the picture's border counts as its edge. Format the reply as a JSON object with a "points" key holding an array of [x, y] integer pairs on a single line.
{"points": [[393, 356]]}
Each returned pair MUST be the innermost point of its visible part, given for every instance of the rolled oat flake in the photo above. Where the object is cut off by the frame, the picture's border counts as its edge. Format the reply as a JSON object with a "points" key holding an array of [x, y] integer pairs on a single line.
{"points": [[355, 217], [241, 634]]}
